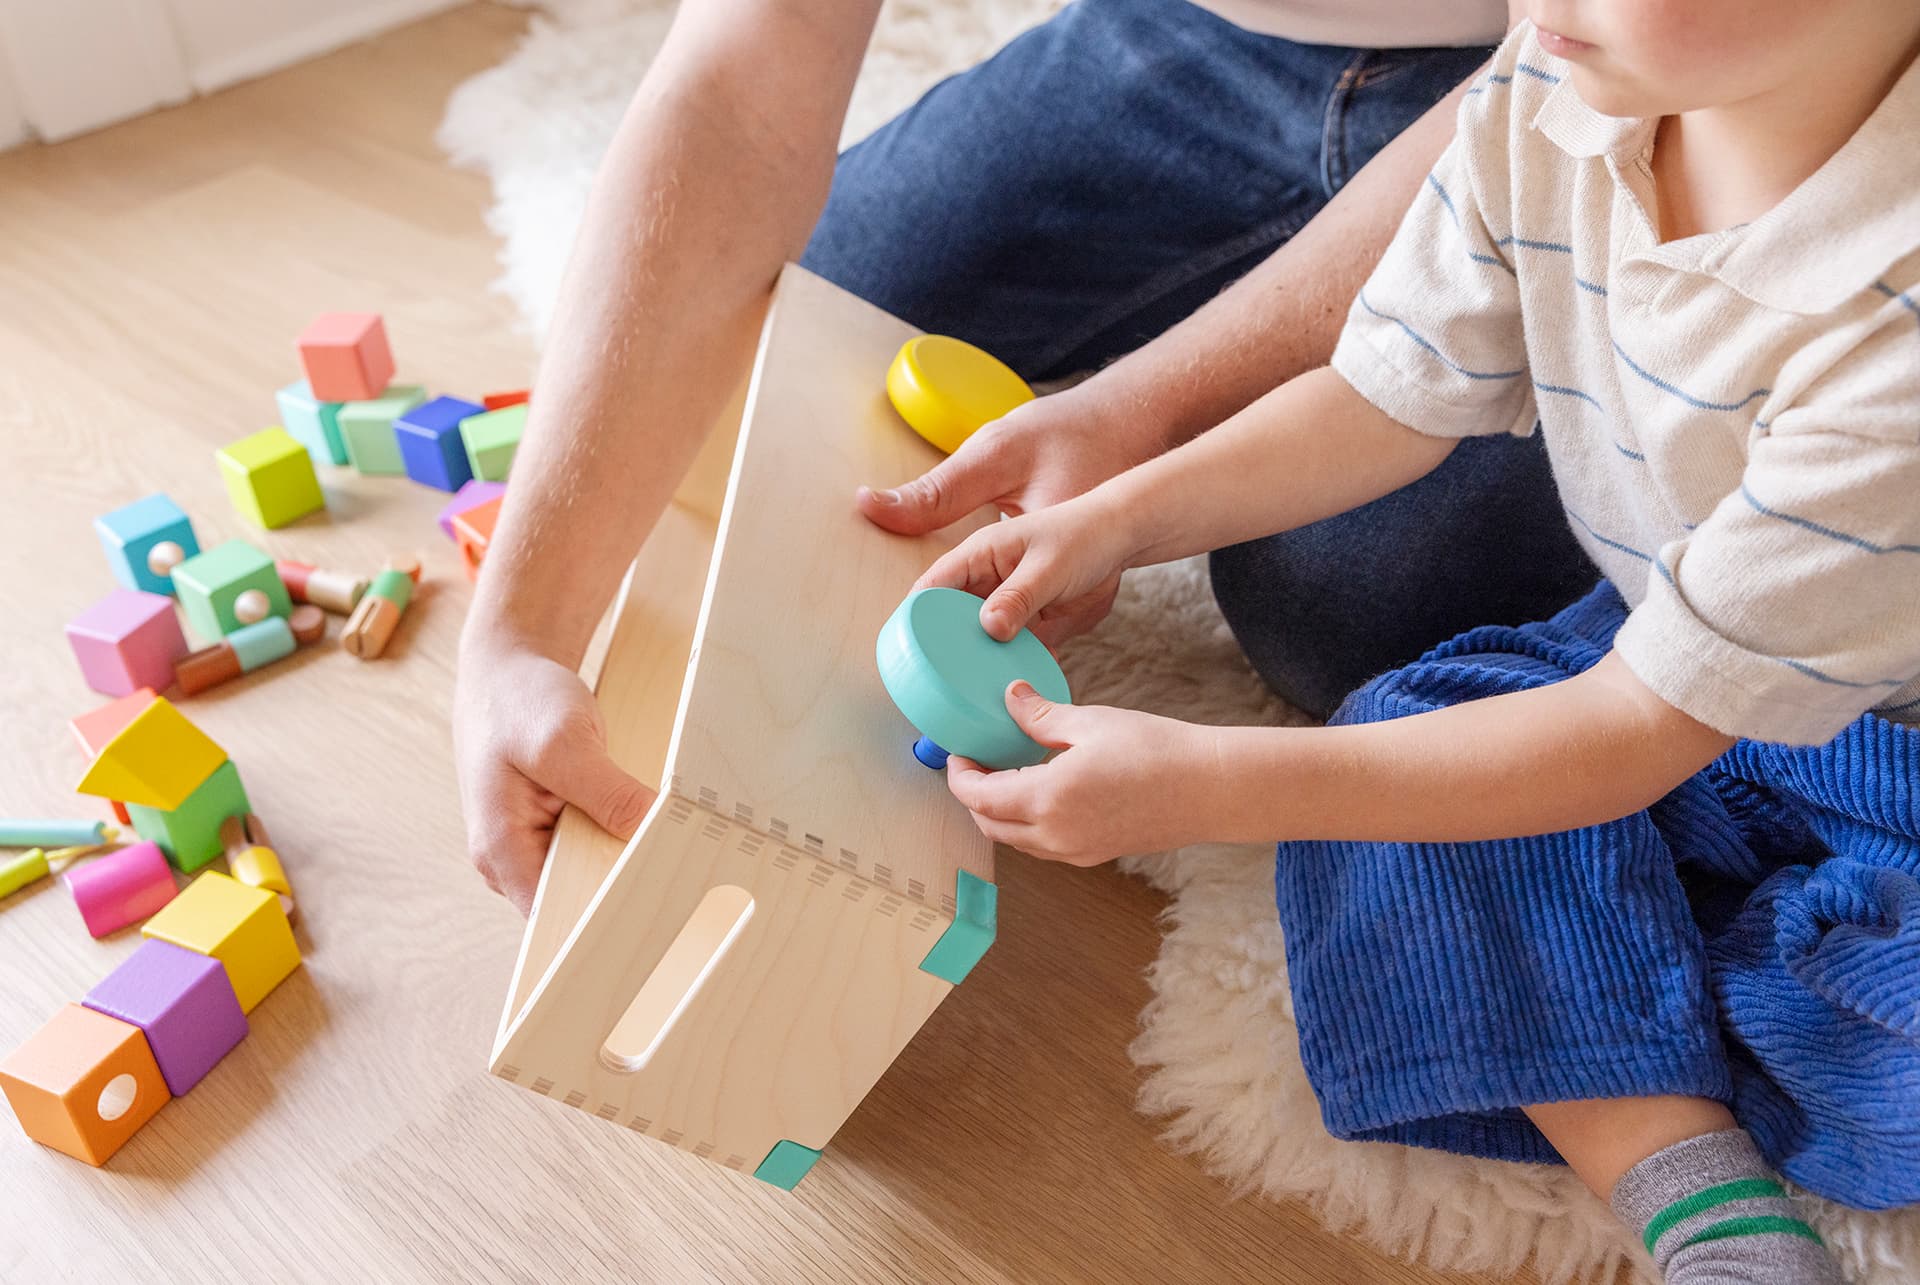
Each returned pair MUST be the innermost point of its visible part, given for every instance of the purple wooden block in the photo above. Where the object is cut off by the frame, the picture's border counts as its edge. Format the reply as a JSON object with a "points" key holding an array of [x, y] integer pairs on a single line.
{"points": [[183, 1001], [126, 641], [473, 493]]}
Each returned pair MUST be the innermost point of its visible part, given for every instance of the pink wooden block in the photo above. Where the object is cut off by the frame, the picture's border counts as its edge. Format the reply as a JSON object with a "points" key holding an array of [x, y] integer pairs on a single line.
{"points": [[346, 356], [121, 888], [470, 495], [184, 1003], [126, 641]]}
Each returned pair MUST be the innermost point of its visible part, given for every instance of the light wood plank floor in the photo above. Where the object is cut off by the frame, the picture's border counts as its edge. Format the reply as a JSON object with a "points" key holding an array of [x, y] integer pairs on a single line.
{"points": [[153, 277]]}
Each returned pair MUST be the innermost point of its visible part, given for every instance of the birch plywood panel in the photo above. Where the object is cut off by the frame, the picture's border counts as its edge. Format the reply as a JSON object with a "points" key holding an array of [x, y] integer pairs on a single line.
{"points": [[789, 783]]}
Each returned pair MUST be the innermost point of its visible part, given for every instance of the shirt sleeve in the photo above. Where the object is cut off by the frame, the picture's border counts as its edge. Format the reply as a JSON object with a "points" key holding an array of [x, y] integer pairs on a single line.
{"points": [[1795, 607], [1434, 340]]}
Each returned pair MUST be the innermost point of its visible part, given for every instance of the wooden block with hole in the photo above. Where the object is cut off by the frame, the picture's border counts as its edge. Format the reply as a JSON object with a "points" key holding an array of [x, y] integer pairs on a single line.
{"points": [[803, 893], [84, 1084]]}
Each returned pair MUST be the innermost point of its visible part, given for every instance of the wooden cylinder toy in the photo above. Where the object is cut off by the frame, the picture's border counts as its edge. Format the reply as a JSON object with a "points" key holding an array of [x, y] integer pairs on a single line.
{"points": [[248, 648], [121, 888], [252, 860], [33, 833], [17, 872], [334, 591], [371, 626]]}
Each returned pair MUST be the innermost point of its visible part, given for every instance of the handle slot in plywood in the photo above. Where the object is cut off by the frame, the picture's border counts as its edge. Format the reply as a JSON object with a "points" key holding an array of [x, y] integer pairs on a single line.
{"points": [[696, 950]]}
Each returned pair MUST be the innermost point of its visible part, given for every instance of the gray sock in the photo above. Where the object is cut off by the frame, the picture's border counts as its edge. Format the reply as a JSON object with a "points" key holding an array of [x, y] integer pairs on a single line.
{"points": [[1712, 1213]]}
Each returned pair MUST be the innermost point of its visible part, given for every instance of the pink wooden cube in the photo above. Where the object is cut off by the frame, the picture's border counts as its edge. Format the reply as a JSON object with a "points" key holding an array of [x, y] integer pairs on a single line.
{"points": [[126, 641], [346, 356], [121, 888], [470, 495], [184, 1003]]}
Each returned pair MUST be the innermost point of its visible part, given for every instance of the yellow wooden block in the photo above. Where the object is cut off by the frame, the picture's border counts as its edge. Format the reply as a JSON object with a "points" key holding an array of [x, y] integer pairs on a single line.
{"points": [[244, 928], [156, 760], [259, 867]]}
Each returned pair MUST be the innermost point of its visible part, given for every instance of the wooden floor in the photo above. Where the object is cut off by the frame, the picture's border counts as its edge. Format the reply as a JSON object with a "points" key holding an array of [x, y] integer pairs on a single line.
{"points": [[152, 278]]}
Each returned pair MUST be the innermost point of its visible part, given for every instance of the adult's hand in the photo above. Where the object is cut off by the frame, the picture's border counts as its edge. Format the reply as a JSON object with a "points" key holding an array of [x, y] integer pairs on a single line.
{"points": [[1046, 451], [528, 740]]}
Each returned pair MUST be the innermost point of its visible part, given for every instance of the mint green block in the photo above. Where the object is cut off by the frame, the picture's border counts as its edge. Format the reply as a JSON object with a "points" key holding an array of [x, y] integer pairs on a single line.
{"points": [[786, 1164], [976, 905], [190, 834], [208, 583], [314, 424], [491, 440], [366, 428]]}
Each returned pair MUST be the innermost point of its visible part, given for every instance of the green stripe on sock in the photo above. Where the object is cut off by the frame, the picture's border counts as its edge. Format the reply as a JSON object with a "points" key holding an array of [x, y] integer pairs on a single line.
{"points": [[1713, 1197], [1755, 1227]]}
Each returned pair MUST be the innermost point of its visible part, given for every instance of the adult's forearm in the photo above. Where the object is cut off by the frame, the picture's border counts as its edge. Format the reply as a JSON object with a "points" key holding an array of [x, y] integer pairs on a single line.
{"points": [[714, 179], [1581, 752], [1283, 317]]}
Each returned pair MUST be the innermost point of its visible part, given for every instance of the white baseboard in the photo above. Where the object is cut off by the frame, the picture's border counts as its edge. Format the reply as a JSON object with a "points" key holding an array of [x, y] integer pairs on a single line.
{"points": [[228, 41]]}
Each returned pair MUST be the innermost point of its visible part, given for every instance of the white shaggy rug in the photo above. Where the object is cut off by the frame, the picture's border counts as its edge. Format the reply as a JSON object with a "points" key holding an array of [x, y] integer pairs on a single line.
{"points": [[1217, 1042]]}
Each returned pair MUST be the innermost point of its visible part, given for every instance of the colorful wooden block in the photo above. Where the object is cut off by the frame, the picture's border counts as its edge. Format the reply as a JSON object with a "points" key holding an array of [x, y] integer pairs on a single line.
{"points": [[184, 1004], [129, 536], [121, 888], [473, 533], [366, 428], [244, 928], [431, 447], [84, 1083], [270, 478], [190, 833], [210, 584], [472, 495], [126, 641], [156, 760], [346, 356], [314, 424], [492, 439], [96, 727], [511, 397]]}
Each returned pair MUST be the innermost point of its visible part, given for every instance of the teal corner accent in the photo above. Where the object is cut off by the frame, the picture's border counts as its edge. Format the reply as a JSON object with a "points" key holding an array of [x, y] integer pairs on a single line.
{"points": [[786, 1164], [976, 907]]}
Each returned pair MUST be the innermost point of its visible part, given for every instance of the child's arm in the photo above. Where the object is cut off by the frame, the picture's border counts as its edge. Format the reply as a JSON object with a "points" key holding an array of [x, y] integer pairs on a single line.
{"points": [[1580, 752], [1307, 450]]}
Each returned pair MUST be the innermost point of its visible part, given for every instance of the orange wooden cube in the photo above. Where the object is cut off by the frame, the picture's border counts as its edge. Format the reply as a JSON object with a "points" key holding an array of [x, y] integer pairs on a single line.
{"points": [[346, 356], [473, 532], [84, 1084]]}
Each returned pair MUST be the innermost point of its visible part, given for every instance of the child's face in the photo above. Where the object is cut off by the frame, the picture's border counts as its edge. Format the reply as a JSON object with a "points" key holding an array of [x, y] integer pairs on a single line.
{"points": [[1663, 57]]}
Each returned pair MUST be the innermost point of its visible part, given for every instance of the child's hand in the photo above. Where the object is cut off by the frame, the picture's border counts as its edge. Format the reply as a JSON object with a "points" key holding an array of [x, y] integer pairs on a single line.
{"points": [[1125, 782], [1037, 567]]}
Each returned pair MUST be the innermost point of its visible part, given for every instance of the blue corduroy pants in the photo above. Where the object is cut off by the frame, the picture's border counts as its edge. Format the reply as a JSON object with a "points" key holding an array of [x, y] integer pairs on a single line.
{"points": [[1752, 938]]}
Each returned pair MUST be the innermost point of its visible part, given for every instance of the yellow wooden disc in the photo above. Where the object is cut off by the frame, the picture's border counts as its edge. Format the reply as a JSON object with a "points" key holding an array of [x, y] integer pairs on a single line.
{"points": [[946, 388]]}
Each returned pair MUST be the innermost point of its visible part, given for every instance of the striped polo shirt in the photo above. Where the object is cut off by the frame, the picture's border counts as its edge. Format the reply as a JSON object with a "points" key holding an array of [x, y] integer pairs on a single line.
{"points": [[1733, 418]]}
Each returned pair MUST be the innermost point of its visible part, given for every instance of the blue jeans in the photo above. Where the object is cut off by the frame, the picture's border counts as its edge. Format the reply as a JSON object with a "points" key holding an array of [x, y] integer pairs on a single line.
{"points": [[1110, 171]]}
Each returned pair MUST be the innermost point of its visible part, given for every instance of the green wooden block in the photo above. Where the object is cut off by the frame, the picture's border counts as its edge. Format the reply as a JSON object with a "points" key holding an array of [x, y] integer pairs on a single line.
{"points": [[492, 439], [786, 1164], [270, 478], [208, 583], [366, 428], [190, 834], [976, 906]]}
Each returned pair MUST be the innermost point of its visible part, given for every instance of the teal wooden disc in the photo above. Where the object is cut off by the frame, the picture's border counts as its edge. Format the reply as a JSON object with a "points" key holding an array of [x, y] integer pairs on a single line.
{"points": [[949, 677]]}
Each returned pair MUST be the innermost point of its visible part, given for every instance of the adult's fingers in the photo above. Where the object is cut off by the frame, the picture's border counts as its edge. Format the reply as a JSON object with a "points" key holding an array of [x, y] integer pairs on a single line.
{"points": [[985, 468], [584, 775]]}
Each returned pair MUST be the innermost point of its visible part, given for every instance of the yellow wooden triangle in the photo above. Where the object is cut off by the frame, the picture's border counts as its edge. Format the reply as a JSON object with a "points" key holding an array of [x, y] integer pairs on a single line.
{"points": [[156, 761]]}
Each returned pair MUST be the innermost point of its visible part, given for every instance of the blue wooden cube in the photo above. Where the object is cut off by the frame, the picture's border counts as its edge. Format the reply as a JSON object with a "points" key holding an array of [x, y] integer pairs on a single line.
{"points": [[314, 423], [430, 443], [129, 534]]}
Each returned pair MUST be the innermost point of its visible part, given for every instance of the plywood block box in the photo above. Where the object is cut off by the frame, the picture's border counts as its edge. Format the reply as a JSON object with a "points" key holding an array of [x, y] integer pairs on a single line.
{"points": [[737, 978]]}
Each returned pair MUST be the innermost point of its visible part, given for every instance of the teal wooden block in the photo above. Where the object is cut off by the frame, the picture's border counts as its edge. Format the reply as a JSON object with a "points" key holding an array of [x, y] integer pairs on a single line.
{"points": [[976, 919], [366, 428], [208, 583], [492, 439], [128, 535], [949, 677], [314, 424], [786, 1164], [190, 834]]}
